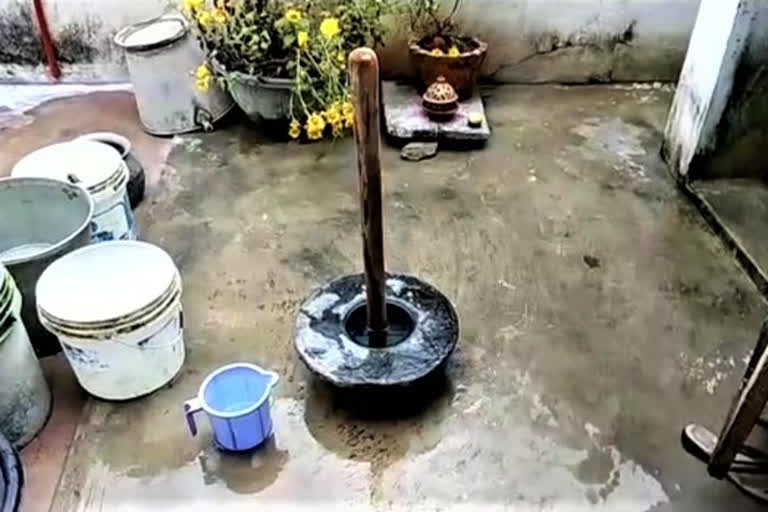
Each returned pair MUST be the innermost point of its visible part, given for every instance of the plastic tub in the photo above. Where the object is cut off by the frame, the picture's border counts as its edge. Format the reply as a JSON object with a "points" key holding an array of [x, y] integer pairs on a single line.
{"points": [[96, 167], [25, 399], [236, 400], [116, 310], [56, 220]]}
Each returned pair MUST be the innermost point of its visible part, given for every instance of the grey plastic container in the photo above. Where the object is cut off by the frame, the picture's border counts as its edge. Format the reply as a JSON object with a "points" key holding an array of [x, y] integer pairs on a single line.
{"points": [[42, 219]]}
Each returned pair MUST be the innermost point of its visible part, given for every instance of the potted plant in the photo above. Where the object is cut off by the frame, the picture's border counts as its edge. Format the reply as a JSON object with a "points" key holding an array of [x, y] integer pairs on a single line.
{"points": [[439, 50], [245, 52], [285, 60]]}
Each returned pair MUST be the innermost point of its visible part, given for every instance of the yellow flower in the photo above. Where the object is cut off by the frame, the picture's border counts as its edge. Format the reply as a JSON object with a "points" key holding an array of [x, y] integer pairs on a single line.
{"points": [[341, 59], [293, 15], [332, 114], [330, 28], [338, 128], [190, 6], [205, 19], [203, 78], [302, 38], [220, 16], [315, 126], [454, 51], [202, 71], [348, 113], [295, 130], [437, 52]]}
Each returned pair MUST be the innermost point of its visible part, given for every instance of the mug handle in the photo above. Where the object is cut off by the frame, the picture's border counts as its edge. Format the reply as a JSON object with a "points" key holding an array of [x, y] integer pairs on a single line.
{"points": [[190, 408], [274, 378]]}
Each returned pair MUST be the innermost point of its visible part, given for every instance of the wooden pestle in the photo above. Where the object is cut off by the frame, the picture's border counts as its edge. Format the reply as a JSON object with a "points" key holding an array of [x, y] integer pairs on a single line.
{"points": [[364, 73]]}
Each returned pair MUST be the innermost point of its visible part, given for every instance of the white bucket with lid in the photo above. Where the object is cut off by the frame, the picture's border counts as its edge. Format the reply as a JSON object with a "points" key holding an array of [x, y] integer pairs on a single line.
{"points": [[96, 167], [25, 399], [116, 309]]}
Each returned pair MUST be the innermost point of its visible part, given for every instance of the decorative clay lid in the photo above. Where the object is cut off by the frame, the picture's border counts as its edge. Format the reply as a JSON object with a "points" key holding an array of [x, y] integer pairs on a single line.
{"points": [[440, 92]]}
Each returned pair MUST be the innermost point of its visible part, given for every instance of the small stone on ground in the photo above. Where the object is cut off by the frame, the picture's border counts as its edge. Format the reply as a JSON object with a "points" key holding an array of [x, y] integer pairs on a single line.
{"points": [[416, 151]]}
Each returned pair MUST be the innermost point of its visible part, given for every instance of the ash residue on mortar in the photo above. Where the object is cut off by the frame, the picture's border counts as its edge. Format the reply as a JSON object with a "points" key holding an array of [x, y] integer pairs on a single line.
{"points": [[20, 43]]}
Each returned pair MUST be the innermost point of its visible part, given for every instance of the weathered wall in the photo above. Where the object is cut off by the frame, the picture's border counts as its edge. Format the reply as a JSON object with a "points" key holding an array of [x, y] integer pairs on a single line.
{"points": [[718, 124], [742, 132], [530, 40], [82, 30]]}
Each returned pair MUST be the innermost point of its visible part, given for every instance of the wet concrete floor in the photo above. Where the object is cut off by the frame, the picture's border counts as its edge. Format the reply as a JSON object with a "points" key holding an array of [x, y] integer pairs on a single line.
{"points": [[599, 316]]}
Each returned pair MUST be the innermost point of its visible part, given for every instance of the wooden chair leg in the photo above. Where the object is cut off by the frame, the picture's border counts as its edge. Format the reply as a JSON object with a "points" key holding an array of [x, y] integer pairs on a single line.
{"points": [[745, 410]]}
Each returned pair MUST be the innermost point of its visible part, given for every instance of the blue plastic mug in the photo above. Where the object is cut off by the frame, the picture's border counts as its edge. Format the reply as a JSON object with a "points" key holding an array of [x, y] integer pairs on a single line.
{"points": [[236, 400]]}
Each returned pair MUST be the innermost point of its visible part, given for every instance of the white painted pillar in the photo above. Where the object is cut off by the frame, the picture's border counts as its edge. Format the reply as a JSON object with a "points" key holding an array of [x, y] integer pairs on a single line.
{"points": [[718, 41]]}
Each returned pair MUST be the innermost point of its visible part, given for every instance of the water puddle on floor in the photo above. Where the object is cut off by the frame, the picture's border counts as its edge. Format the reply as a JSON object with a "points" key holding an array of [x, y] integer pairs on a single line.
{"points": [[463, 456]]}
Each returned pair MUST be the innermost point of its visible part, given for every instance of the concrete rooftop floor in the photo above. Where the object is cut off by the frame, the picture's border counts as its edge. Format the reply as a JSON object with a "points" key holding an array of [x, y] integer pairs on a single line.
{"points": [[599, 316]]}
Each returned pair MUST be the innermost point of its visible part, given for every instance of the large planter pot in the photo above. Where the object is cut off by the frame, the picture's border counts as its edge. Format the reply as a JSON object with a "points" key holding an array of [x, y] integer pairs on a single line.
{"points": [[460, 72], [261, 98]]}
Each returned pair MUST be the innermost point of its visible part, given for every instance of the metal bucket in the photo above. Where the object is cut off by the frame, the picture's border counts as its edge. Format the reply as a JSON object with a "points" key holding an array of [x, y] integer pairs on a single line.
{"points": [[43, 219], [162, 56]]}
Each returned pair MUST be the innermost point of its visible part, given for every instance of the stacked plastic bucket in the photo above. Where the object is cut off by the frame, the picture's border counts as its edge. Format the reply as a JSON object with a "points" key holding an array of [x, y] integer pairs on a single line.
{"points": [[111, 303], [99, 169], [25, 399]]}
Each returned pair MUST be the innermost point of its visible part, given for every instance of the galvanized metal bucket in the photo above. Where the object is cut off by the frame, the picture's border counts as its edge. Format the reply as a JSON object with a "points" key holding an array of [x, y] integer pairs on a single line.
{"points": [[162, 56]]}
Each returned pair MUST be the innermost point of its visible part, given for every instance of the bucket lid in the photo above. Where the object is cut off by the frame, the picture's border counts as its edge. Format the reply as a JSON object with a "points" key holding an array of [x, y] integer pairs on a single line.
{"points": [[84, 162], [105, 281], [155, 33]]}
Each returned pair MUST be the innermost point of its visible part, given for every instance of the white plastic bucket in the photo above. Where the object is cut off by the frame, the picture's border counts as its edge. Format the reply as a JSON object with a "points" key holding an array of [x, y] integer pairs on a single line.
{"points": [[98, 168], [25, 399], [116, 310]]}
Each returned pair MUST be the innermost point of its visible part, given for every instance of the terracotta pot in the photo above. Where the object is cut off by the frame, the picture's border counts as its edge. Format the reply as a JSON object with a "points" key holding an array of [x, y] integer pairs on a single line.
{"points": [[460, 72]]}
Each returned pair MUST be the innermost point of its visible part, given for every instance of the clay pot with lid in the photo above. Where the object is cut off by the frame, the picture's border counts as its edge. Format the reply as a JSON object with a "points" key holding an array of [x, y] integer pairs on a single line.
{"points": [[440, 102]]}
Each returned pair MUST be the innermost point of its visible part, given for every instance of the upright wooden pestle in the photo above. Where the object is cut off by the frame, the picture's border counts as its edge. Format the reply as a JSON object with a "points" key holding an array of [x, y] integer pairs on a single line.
{"points": [[364, 72]]}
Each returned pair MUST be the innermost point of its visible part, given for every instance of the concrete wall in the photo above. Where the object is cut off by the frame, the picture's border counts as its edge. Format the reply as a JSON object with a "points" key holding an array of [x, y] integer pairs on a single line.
{"points": [[530, 40], [741, 135], [718, 123]]}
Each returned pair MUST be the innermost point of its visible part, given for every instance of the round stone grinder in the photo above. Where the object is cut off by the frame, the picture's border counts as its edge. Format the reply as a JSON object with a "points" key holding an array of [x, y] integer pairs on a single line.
{"points": [[374, 329]]}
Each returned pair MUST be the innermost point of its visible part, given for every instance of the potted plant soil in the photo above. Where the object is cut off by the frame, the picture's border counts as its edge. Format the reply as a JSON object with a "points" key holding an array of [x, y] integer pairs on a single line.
{"points": [[440, 50]]}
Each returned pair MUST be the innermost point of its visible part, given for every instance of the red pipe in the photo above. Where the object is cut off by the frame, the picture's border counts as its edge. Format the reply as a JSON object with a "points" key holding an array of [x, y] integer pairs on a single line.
{"points": [[47, 40]]}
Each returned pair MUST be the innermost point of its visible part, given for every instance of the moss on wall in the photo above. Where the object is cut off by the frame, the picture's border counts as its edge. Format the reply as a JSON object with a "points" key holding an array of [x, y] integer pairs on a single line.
{"points": [[20, 42]]}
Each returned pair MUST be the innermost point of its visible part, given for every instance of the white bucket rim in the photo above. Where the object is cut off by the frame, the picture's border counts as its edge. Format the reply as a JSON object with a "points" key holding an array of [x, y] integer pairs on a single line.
{"points": [[144, 316], [105, 334], [54, 247], [109, 138], [41, 163], [236, 414], [122, 38], [114, 279]]}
